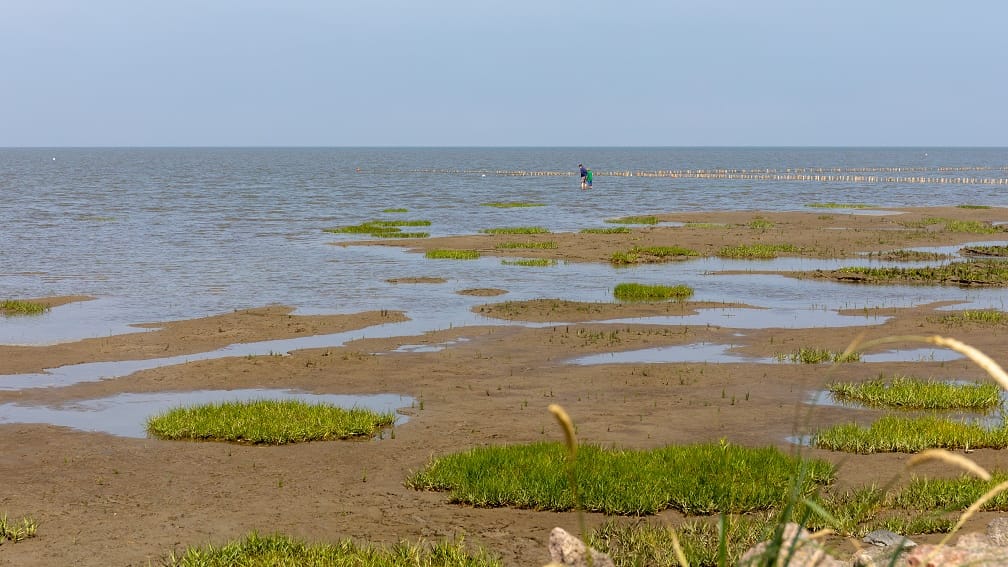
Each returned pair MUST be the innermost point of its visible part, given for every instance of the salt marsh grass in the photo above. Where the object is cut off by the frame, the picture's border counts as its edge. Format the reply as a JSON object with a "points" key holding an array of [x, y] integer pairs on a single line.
{"points": [[606, 230], [908, 256], [531, 262], [708, 478], [953, 225], [760, 224], [383, 228], [755, 251], [705, 225], [907, 392], [993, 250], [973, 206], [641, 219], [21, 307], [643, 292], [273, 422], [516, 230], [891, 434], [951, 493], [279, 550], [652, 255], [395, 210], [972, 317], [449, 254], [17, 530], [542, 245], [979, 273], [818, 356]]}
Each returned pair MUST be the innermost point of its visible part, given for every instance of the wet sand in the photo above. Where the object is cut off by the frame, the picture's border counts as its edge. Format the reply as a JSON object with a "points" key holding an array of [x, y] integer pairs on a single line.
{"points": [[106, 500]]}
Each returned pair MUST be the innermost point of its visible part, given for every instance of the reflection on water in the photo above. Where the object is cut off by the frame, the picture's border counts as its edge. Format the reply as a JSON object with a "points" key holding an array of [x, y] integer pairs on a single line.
{"points": [[126, 414]]}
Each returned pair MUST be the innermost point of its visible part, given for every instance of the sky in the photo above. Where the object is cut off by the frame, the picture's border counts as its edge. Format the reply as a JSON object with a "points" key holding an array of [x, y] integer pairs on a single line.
{"points": [[503, 73]]}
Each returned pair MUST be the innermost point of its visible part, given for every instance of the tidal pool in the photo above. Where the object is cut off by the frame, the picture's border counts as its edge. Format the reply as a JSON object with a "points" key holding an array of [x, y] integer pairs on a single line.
{"points": [[126, 415]]}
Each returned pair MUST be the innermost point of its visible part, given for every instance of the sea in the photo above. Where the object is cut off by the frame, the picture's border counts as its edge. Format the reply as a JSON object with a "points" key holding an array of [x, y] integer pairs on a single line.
{"points": [[161, 234]]}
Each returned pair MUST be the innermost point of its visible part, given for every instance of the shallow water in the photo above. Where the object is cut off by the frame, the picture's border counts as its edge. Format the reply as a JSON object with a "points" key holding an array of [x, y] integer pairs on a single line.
{"points": [[126, 415], [168, 234]]}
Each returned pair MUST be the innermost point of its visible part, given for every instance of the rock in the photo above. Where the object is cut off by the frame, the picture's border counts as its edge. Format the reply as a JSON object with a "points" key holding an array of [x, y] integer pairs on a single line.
{"points": [[886, 538], [799, 550], [997, 531], [570, 551]]}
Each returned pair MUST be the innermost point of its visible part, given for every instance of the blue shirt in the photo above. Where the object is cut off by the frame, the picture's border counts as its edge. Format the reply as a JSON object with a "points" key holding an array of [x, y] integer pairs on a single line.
{"points": [[584, 171]]}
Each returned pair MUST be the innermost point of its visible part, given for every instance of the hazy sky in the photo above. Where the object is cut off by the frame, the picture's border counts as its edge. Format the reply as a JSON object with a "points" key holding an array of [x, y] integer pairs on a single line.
{"points": [[508, 73]]}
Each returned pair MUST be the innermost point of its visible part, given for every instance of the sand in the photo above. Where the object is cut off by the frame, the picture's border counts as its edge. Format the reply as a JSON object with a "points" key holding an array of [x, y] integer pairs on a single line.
{"points": [[106, 500]]}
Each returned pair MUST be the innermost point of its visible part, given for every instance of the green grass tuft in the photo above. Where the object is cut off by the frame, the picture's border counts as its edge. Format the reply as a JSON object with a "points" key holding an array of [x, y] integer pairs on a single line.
{"points": [[694, 479], [21, 307], [760, 224], [448, 254], [990, 251], [910, 434], [908, 256], [607, 230], [973, 273], [273, 422], [531, 262], [642, 292], [652, 255], [17, 530], [755, 251], [981, 317], [914, 393], [818, 356], [950, 493], [544, 245], [395, 210], [516, 230], [383, 228], [973, 206], [644, 219], [280, 550]]}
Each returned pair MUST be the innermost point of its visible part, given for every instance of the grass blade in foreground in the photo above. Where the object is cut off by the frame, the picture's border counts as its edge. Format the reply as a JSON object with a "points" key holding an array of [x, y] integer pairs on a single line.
{"points": [[277, 549], [273, 422], [708, 478]]}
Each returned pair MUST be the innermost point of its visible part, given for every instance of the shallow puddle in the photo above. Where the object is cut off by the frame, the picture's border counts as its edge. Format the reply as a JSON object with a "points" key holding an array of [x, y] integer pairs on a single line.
{"points": [[736, 318], [126, 415]]}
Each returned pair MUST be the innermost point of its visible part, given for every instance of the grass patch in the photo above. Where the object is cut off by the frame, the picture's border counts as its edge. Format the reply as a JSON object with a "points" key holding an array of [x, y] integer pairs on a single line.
{"points": [[705, 225], [383, 228], [395, 210], [643, 219], [544, 245], [953, 225], [516, 230], [914, 393], [831, 205], [531, 262], [968, 317], [652, 255], [950, 493], [994, 251], [973, 206], [15, 531], [650, 544], [755, 251], [818, 356], [449, 254], [891, 434], [694, 479], [512, 205], [273, 422], [642, 292], [21, 307], [908, 256], [606, 230], [276, 550], [973, 273], [760, 224]]}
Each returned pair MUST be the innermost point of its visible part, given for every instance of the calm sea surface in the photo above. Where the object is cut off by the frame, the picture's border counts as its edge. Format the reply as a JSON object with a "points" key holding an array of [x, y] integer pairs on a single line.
{"points": [[162, 234]]}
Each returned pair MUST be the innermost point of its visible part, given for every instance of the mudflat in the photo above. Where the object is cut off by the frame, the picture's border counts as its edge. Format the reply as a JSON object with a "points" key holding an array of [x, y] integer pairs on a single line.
{"points": [[107, 500]]}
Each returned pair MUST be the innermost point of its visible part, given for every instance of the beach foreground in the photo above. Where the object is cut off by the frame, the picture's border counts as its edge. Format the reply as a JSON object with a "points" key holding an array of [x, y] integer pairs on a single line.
{"points": [[109, 500]]}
